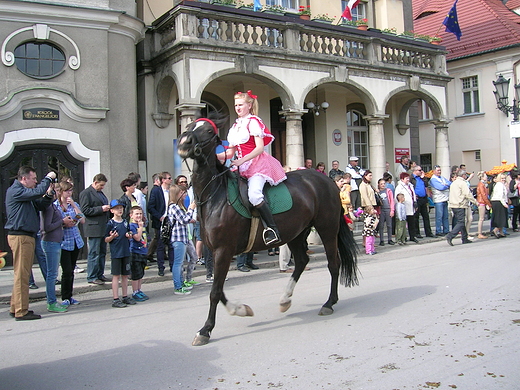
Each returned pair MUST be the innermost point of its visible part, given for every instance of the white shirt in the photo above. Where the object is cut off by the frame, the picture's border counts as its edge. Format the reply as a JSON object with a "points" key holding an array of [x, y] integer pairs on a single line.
{"points": [[166, 194]]}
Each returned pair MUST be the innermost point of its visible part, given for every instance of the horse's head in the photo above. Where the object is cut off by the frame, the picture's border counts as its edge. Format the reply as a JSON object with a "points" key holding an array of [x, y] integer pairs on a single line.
{"points": [[200, 138]]}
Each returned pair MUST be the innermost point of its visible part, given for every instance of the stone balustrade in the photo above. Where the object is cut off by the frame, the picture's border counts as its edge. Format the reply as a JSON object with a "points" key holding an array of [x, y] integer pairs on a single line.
{"points": [[273, 34]]}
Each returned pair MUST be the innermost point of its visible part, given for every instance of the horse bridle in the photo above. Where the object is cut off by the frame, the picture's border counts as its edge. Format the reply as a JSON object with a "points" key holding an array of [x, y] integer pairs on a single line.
{"points": [[197, 152]]}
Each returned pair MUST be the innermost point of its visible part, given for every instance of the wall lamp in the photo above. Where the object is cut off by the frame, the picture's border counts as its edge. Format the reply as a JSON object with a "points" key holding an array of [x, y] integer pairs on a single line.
{"points": [[501, 95]]}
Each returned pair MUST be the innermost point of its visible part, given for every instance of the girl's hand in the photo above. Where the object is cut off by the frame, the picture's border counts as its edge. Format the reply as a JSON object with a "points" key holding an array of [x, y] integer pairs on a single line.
{"points": [[192, 206], [70, 201], [237, 162]]}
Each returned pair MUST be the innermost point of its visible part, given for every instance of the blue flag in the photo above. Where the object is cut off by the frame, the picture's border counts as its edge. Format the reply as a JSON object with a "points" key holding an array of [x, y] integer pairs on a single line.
{"points": [[452, 22], [257, 5]]}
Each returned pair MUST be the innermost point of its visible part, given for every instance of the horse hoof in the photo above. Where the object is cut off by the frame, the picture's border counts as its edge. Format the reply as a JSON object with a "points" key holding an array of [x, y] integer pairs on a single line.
{"points": [[285, 306], [326, 311], [249, 311], [200, 340]]}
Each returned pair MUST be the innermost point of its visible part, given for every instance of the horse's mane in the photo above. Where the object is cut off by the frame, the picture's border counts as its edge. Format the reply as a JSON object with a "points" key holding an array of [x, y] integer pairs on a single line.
{"points": [[219, 120], [216, 117]]}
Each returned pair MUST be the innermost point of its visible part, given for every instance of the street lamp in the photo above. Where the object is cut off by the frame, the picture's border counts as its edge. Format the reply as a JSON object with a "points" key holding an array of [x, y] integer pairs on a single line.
{"points": [[315, 108], [501, 95]]}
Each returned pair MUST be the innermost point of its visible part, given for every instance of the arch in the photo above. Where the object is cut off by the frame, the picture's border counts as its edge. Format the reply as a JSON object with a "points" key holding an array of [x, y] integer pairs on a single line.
{"points": [[278, 86], [47, 135], [163, 92], [420, 93], [364, 94]]}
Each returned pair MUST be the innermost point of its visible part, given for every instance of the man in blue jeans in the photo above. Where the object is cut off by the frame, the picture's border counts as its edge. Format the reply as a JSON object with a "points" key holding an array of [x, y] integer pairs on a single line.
{"points": [[440, 187], [95, 207], [245, 262]]}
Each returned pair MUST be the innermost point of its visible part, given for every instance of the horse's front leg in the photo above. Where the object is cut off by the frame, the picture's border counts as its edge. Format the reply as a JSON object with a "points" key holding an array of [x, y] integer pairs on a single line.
{"points": [[297, 247], [203, 335]]}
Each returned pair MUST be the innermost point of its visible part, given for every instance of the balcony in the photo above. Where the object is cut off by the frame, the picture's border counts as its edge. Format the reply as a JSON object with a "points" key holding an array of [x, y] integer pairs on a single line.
{"points": [[216, 28]]}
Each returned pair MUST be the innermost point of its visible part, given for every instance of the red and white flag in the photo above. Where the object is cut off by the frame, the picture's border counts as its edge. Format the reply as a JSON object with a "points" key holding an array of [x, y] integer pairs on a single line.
{"points": [[347, 13]]}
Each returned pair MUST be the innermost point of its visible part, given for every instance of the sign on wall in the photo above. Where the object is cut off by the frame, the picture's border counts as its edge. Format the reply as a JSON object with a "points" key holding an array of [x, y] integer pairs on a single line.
{"points": [[336, 137], [399, 152], [38, 114], [514, 129]]}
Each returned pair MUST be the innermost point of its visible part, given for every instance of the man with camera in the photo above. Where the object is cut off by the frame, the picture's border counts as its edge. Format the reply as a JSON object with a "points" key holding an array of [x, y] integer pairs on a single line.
{"points": [[24, 199]]}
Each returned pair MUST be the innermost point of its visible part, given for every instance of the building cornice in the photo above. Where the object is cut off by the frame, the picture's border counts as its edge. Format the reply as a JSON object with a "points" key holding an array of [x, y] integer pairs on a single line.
{"points": [[114, 21]]}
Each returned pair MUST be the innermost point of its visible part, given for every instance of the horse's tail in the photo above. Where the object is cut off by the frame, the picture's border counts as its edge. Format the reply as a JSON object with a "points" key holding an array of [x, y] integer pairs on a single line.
{"points": [[348, 254]]}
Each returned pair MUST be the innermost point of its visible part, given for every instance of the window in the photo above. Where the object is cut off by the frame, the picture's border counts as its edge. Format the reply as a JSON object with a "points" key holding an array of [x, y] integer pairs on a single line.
{"points": [[477, 155], [357, 137], [289, 4], [470, 94], [423, 110], [39, 60], [359, 12], [426, 162]]}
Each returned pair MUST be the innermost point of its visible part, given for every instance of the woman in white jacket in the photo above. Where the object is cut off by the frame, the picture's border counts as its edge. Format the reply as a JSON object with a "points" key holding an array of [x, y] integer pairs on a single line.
{"points": [[404, 187], [499, 205]]}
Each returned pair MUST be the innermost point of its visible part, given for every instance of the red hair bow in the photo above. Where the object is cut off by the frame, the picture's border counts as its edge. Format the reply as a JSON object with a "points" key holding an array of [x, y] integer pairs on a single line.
{"points": [[250, 94]]}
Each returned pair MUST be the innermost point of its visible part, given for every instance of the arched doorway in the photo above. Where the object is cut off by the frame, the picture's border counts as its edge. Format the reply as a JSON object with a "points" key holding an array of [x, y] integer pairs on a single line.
{"points": [[44, 158]]}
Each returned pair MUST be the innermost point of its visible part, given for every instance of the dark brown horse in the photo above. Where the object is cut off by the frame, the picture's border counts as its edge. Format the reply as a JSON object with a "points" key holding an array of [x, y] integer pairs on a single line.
{"points": [[316, 203]]}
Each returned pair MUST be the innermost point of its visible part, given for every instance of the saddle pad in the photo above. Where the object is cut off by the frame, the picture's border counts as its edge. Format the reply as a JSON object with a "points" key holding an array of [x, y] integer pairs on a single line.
{"points": [[278, 197]]}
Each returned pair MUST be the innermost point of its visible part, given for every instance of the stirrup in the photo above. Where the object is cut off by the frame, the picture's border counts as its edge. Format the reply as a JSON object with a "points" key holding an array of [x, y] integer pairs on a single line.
{"points": [[270, 236]]}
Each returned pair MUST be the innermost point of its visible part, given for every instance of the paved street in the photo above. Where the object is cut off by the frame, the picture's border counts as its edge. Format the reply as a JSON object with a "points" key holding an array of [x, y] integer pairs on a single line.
{"points": [[424, 316]]}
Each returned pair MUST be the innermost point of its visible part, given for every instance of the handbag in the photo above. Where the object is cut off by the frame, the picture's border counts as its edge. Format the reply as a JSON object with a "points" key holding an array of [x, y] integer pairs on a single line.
{"points": [[379, 201], [166, 230]]}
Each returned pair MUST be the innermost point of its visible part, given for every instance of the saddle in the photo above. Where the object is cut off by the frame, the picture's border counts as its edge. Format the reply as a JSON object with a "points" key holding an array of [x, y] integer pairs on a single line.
{"points": [[277, 197]]}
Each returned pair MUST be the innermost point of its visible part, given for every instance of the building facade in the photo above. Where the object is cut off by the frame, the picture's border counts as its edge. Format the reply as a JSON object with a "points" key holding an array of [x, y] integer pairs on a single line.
{"points": [[68, 94], [108, 85], [480, 134], [197, 55]]}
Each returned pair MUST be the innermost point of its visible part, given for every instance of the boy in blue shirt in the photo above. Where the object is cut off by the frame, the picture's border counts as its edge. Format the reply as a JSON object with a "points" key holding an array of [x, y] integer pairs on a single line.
{"points": [[138, 252], [117, 234]]}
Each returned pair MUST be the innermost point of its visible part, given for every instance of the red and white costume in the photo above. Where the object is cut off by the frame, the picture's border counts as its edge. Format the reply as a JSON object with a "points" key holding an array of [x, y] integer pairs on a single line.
{"points": [[264, 167]]}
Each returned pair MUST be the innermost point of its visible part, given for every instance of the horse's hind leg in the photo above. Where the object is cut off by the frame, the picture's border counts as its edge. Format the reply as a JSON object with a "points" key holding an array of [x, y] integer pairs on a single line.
{"points": [[297, 247], [331, 249]]}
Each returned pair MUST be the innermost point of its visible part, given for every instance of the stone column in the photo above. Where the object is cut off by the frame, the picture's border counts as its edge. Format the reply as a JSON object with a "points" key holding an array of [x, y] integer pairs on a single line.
{"points": [[442, 147], [294, 137], [187, 113], [376, 142]]}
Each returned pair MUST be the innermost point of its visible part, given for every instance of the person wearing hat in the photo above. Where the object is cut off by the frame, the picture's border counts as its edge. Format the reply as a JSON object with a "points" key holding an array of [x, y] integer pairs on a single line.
{"points": [[357, 176]]}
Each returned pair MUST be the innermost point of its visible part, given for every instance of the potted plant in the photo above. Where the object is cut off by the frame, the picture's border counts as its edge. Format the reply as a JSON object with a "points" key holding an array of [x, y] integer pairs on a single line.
{"points": [[304, 12], [323, 18], [273, 9], [408, 34], [435, 40], [227, 3], [242, 5], [361, 24], [390, 30]]}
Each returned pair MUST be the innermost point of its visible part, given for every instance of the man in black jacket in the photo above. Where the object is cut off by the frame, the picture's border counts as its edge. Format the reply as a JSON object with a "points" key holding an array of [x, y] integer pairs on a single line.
{"points": [[23, 200], [157, 207], [94, 204]]}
